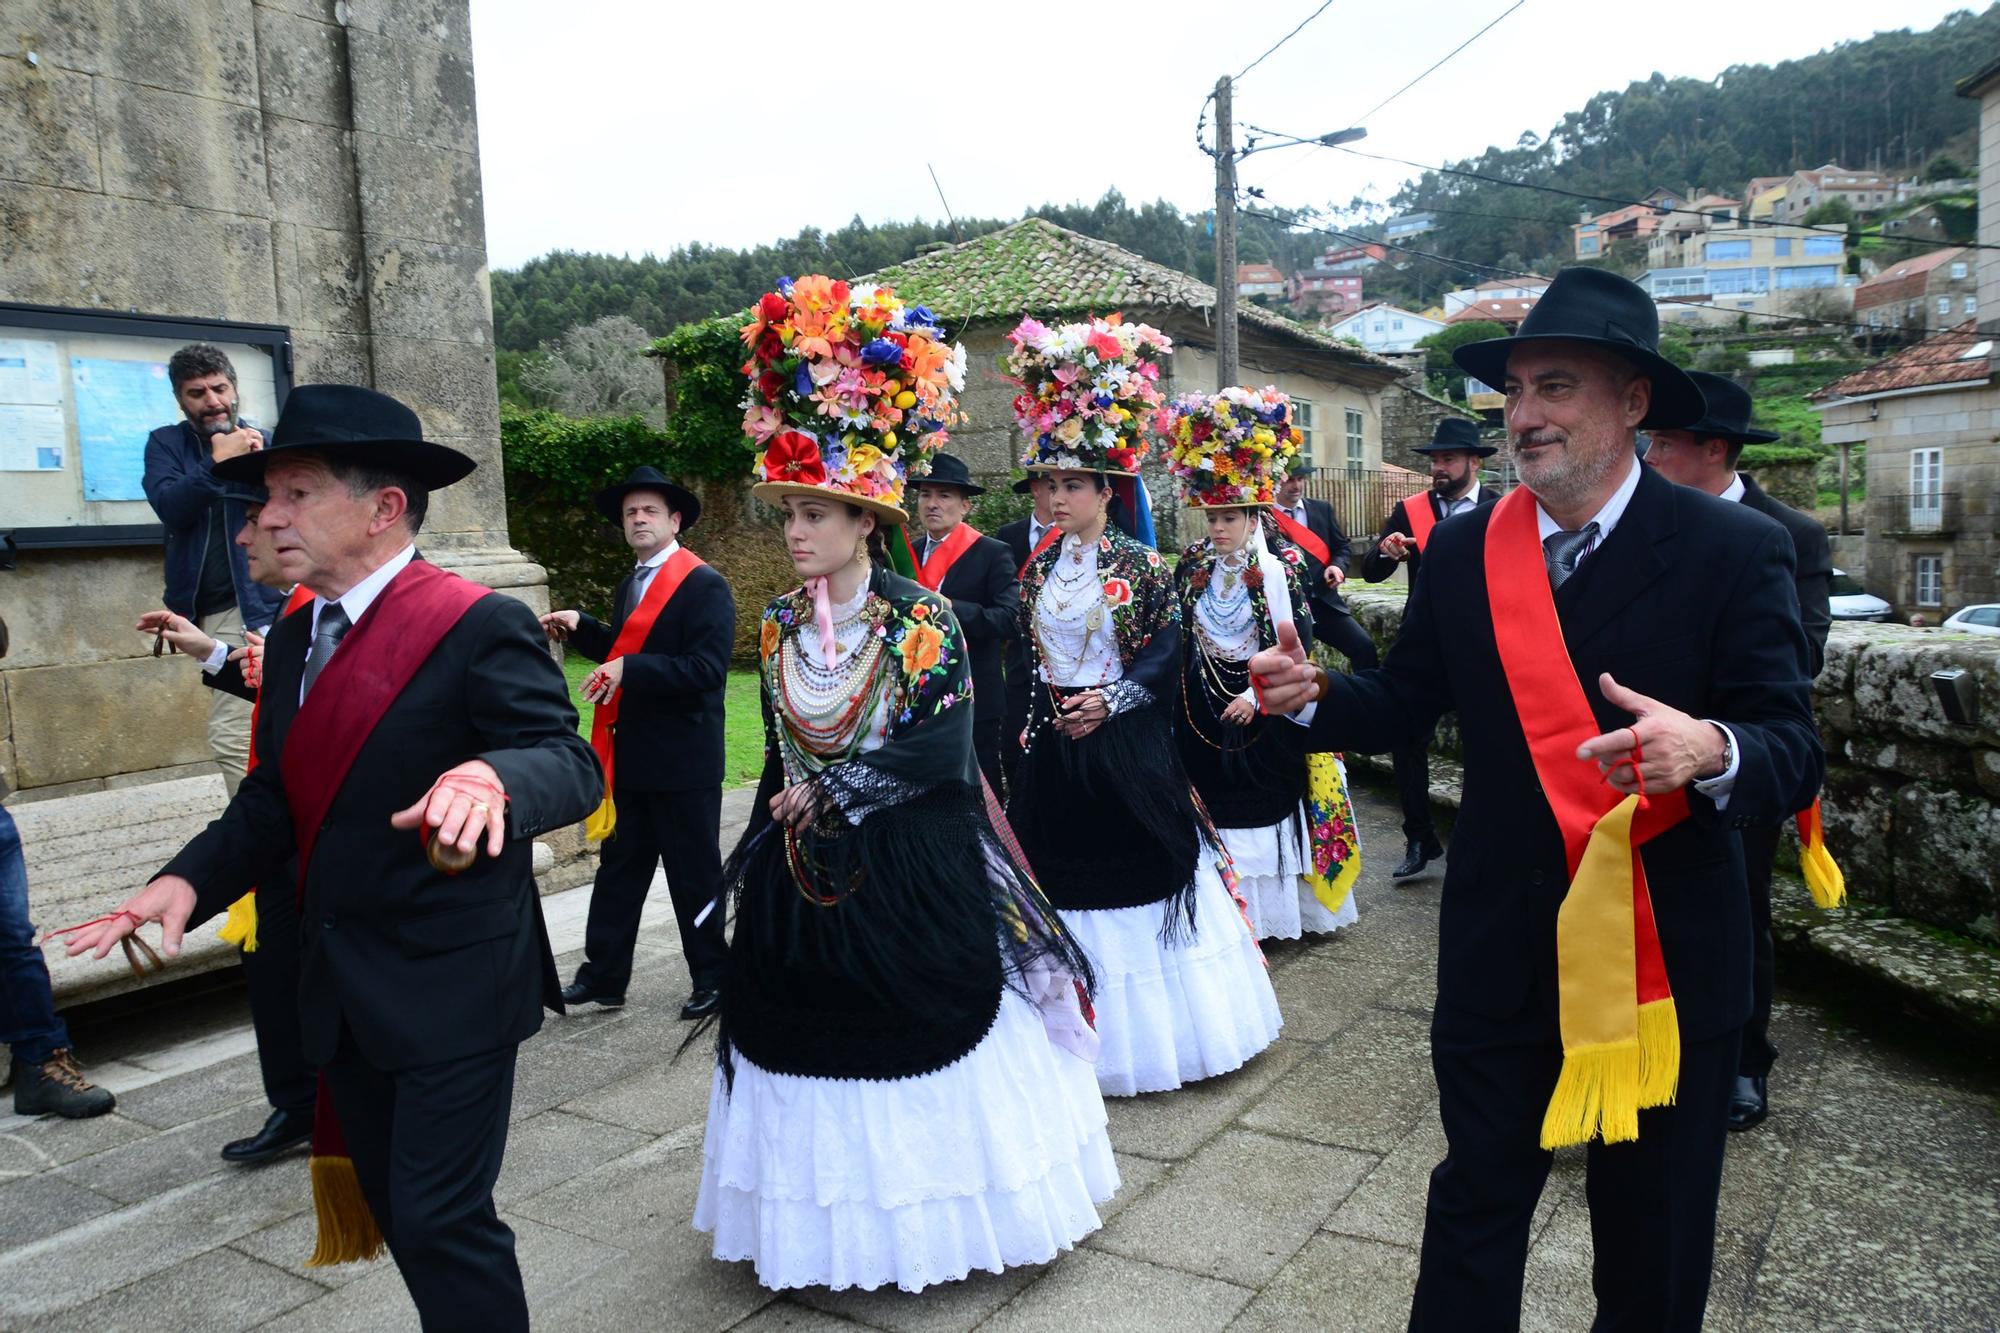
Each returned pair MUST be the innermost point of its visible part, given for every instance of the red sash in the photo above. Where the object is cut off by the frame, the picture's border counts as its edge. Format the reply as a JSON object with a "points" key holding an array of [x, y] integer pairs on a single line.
{"points": [[1049, 536], [377, 659], [1422, 518], [1620, 1037], [1302, 536], [631, 637], [931, 573]]}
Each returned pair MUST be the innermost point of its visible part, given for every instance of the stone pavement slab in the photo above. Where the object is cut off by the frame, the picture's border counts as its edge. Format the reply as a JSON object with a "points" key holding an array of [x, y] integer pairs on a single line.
{"points": [[1287, 1195]]}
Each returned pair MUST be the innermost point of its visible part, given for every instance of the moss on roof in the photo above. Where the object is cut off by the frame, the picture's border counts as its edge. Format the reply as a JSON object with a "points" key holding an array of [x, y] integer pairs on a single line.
{"points": [[1036, 268]]}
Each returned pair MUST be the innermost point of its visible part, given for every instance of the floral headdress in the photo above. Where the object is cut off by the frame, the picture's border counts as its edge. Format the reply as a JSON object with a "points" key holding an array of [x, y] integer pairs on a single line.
{"points": [[1088, 393], [851, 390], [1230, 449]]}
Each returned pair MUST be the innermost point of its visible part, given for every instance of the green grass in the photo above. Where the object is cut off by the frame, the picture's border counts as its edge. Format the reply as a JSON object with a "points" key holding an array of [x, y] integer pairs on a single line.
{"points": [[742, 724]]}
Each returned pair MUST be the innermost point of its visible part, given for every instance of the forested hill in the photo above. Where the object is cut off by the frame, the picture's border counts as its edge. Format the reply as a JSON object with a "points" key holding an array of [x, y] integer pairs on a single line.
{"points": [[1886, 101]]}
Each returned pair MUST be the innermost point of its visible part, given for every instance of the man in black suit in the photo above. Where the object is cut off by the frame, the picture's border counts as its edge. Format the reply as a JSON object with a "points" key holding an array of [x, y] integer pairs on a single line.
{"points": [[1024, 537], [1666, 609], [408, 718], [664, 751], [981, 582], [1704, 456], [1326, 557], [1455, 452]]}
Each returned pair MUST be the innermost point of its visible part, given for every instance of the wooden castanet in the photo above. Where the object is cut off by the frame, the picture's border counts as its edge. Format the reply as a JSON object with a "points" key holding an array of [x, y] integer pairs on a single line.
{"points": [[445, 856]]}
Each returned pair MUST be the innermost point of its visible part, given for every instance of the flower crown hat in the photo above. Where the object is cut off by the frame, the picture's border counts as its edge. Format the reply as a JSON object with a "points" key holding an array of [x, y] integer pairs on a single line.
{"points": [[851, 391], [1230, 449], [1089, 392]]}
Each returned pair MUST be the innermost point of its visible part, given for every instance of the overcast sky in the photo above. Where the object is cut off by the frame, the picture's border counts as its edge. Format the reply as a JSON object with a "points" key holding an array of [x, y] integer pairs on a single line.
{"points": [[610, 126]]}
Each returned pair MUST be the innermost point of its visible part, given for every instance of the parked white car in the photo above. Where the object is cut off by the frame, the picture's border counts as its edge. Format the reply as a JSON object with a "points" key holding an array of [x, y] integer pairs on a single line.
{"points": [[1850, 601], [1981, 619]]}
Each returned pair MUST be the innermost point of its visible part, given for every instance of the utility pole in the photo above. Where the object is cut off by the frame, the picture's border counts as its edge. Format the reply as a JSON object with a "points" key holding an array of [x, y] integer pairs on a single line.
{"points": [[1225, 239], [1843, 488]]}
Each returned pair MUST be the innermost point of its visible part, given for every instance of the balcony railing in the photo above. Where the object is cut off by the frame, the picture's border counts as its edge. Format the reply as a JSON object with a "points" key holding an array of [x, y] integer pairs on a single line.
{"points": [[1362, 497], [1919, 514]]}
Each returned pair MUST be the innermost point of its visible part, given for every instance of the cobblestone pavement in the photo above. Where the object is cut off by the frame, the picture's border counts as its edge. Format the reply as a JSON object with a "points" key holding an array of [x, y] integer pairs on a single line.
{"points": [[1287, 1195]]}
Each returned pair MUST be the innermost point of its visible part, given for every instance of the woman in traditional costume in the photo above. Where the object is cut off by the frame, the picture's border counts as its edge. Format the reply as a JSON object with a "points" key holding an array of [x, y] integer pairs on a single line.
{"points": [[1102, 807], [903, 1091], [1283, 815]]}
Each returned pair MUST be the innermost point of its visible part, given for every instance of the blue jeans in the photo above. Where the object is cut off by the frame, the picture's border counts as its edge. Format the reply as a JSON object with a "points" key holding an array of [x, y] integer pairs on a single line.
{"points": [[28, 1021]]}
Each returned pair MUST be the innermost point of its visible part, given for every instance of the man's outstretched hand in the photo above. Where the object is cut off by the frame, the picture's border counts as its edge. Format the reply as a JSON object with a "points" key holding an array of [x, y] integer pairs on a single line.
{"points": [[1284, 677], [468, 802], [1675, 749], [168, 900]]}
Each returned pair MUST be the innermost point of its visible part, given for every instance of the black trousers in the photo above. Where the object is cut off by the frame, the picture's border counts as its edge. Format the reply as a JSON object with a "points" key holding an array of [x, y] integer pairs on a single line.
{"points": [[1652, 1203], [271, 973], [1413, 789], [426, 1145], [1760, 847], [1343, 634], [987, 745], [677, 829]]}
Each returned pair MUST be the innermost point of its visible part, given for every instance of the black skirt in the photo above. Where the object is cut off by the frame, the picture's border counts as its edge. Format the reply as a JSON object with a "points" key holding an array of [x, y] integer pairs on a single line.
{"points": [[1248, 776], [1107, 821]]}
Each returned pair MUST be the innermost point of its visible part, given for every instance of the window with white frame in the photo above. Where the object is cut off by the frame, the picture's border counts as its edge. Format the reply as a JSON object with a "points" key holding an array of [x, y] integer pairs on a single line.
{"points": [[1302, 417], [1944, 305], [1929, 580], [1357, 445], [1958, 272], [1971, 305], [1926, 489]]}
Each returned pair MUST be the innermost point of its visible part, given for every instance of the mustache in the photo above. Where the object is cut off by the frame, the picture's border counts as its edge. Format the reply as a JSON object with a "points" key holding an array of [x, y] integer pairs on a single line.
{"points": [[1541, 437]]}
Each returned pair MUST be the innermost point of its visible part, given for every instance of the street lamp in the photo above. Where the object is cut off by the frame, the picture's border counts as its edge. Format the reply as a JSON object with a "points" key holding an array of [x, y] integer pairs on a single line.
{"points": [[1226, 154]]}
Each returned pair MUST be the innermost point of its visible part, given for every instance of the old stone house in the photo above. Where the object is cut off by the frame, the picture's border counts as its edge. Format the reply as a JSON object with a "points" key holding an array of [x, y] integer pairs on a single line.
{"points": [[983, 287]]}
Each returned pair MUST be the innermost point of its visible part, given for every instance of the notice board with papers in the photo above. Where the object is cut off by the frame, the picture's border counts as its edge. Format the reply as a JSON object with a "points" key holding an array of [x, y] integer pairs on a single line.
{"points": [[80, 390]]}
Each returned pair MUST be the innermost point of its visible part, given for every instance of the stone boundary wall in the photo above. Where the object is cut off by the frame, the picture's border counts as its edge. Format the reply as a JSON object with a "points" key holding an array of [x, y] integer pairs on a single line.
{"points": [[1912, 802]]}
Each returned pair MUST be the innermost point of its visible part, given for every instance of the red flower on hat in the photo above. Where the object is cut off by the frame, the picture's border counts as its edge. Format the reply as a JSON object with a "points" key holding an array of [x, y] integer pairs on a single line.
{"points": [[794, 456]]}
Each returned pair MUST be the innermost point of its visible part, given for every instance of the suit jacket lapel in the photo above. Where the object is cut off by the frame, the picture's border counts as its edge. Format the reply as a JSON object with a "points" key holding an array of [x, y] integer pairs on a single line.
{"points": [[284, 668], [1611, 578]]}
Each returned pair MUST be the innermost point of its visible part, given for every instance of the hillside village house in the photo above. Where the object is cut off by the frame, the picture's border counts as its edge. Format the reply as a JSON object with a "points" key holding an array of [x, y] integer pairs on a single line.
{"points": [[1326, 295], [1726, 268], [1508, 312], [1929, 293], [1930, 416], [1594, 235], [1408, 225], [1259, 280], [1761, 196], [1383, 328], [1866, 192], [983, 287], [1496, 289]]}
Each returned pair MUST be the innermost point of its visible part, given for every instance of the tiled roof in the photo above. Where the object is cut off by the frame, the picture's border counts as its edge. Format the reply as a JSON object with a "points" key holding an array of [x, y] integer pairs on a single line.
{"points": [[1508, 310], [1923, 263], [1036, 268], [1937, 360]]}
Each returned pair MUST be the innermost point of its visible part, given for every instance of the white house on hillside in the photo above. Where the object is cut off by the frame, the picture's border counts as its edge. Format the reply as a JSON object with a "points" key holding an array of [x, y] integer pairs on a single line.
{"points": [[1385, 328]]}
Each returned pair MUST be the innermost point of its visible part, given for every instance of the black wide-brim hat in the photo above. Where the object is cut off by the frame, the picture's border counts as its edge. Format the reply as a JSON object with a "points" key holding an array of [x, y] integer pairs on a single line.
{"points": [[950, 470], [1599, 308], [1456, 435], [1728, 415], [359, 425], [610, 501]]}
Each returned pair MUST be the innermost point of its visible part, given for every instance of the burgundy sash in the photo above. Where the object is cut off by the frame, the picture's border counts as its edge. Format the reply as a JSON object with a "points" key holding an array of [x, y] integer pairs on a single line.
{"points": [[376, 660]]}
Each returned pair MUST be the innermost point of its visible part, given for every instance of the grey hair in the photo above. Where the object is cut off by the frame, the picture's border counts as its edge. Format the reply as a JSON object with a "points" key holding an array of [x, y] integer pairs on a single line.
{"points": [[362, 479]]}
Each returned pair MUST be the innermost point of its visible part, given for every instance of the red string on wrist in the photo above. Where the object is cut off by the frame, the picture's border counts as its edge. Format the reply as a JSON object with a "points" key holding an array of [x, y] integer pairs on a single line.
{"points": [[96, 921]]}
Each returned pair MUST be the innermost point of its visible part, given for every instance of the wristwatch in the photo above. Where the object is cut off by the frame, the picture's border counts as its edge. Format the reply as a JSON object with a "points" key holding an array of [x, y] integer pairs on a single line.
{"points": [[1728, 754]]}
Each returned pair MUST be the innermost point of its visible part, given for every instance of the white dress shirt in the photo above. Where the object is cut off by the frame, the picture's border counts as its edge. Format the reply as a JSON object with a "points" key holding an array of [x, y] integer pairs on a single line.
{"points": [[642, 576], [1735, 490], [1465, 502]]}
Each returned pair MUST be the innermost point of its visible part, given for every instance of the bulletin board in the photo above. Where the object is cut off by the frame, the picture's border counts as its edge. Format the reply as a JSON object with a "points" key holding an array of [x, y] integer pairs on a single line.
{"points": [[80, 390]]}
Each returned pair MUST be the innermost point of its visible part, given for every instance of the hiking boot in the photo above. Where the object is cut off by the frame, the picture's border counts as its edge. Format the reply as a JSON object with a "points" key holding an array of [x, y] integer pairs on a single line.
{"points": [[57, 1087]]}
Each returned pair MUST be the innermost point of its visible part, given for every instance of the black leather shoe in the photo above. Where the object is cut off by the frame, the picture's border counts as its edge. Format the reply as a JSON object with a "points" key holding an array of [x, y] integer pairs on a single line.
{"points": [[701, 1003], [578, 993], [1422, 851], [1748, 1104], [281, 1133]]}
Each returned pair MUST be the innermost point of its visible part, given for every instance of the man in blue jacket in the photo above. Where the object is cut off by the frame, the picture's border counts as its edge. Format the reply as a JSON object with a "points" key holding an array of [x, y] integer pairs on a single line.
{"points": [[208, 579]]}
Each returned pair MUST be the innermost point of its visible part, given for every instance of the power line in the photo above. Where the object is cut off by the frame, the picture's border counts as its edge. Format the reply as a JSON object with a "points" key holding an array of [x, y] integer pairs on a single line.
{"points": [[1360, 119], [1632, 203], [1324, 6]]}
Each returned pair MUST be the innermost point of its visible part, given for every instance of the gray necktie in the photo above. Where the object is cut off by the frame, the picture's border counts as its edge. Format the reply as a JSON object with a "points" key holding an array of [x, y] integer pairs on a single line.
{"points": [[1563, 549], [633, 590], [333, 624]]}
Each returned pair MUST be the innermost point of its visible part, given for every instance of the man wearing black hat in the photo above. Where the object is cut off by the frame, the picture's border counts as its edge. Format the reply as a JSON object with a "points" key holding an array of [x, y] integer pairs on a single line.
{"points": [[981, 581], [658, 733], [410, 721], [1594, 954], [1024, 538], [1454, 451], [1704, 456]]}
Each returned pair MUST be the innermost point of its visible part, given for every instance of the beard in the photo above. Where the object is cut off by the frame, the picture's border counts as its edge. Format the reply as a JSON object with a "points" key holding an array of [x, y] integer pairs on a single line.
{"points": [[1566, 471]]}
